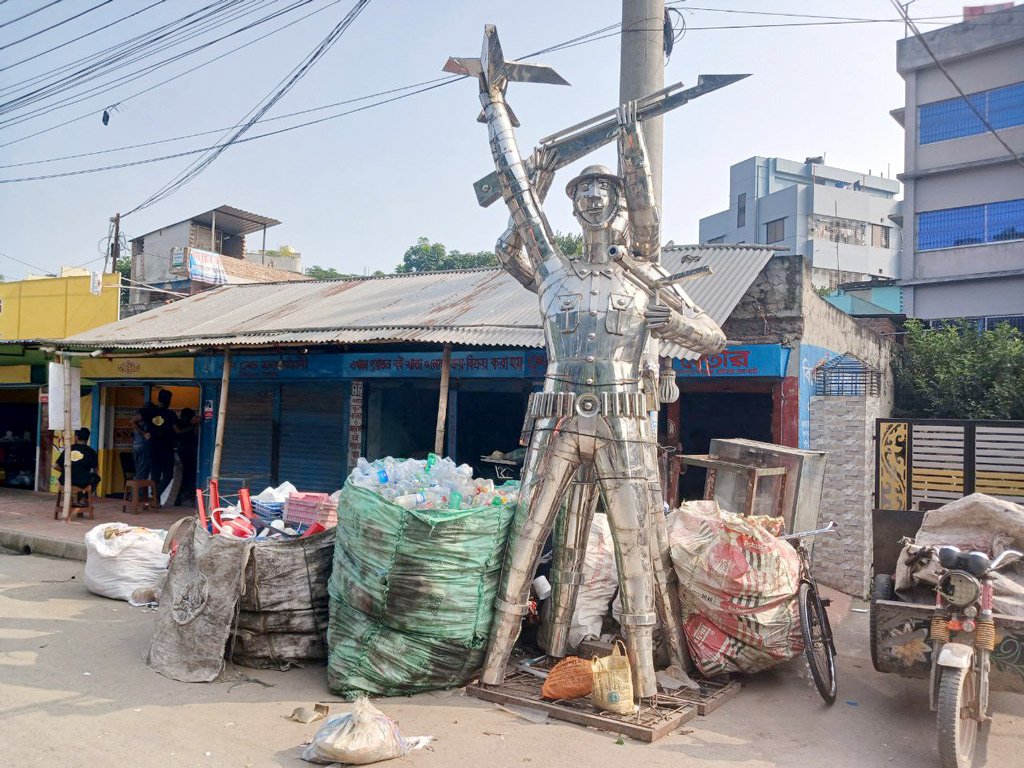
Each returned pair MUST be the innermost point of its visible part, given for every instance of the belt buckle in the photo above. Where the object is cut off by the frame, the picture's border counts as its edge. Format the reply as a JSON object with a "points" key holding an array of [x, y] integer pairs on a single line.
{"points": [[588, 405]]}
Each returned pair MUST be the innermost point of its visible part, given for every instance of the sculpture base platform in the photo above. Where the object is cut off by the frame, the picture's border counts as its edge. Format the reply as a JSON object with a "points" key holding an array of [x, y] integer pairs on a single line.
{"points": [[655, 718]]}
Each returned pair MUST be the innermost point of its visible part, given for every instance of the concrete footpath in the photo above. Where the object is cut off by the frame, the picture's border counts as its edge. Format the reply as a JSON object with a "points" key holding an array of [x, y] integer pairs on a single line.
{"points": [[27, 524]]}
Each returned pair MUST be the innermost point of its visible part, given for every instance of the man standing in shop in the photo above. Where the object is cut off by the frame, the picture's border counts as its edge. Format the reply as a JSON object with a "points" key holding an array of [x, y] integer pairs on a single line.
{"points": [[162, 438], [187, 432]]}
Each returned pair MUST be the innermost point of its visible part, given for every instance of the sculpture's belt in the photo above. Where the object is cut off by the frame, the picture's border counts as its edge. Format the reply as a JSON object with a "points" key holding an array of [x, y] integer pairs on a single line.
{"points": [[562, 404]]}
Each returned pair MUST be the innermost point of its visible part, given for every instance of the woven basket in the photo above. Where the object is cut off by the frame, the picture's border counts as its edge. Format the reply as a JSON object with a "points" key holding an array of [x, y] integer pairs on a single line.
{"points": [[571, 678]]}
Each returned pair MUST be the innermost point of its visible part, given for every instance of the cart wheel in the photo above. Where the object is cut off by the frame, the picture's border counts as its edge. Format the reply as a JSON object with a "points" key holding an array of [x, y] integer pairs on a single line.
{"points": [[818, 646], [881, 589], [957, 725]]}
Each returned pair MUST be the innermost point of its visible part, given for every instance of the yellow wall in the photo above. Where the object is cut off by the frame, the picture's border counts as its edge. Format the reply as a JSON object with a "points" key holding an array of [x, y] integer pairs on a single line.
{"points": [[54, 308]]}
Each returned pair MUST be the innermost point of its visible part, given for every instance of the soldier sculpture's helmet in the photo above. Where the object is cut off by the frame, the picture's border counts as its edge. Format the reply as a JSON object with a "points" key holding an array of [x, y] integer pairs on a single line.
{"points": [[594, 172]]}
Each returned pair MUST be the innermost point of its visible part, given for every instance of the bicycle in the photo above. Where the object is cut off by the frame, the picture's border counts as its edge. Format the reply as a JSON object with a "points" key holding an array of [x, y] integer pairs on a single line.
{"points": [[819, 647]]}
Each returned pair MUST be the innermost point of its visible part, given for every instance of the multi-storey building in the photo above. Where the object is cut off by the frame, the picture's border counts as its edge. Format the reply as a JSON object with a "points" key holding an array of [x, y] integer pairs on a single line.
{"points": [[840, 221], [964, 177]]}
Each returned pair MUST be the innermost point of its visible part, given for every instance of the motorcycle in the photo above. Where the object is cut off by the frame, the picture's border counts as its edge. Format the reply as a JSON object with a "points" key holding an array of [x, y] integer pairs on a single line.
{"points": [[963, 636]]}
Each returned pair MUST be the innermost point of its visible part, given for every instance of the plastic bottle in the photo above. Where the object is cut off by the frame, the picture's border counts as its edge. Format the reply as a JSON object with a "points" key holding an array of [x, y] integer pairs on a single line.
{"points": [[410, 500]]}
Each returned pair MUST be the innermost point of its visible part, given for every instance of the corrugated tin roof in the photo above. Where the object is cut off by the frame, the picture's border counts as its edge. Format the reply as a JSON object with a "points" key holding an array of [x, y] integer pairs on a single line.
{"points": [[232, 220], [484, 307]]}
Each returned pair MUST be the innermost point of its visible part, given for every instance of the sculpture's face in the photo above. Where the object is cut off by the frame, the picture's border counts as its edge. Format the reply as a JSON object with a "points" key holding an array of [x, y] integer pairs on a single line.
{"points": [[595, 201]]}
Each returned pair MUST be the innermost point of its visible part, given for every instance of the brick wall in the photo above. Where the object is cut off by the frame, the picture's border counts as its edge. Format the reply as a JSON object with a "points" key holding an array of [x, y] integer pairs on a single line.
{"points": [[844, 427]]}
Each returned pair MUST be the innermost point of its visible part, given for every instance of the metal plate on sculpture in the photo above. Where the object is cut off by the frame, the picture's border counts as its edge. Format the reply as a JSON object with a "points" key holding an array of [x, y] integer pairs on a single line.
{"points": [[654, 719]]}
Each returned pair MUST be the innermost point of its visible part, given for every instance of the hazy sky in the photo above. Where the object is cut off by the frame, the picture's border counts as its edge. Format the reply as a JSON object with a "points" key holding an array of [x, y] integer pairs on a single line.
{"points": [[356, 191]]}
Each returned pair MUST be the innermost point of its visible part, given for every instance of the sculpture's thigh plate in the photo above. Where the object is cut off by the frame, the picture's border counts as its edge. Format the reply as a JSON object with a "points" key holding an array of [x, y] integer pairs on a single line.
{"points": [[572, 530], [625, 483], [550, 464]]}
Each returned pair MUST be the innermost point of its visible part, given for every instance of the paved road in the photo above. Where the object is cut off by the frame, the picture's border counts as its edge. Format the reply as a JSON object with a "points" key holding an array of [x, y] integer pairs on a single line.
{"points": [[74, 692]]}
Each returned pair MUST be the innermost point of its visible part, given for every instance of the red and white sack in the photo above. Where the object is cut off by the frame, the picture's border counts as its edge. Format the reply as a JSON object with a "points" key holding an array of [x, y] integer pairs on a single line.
{"points": [[738, 586]]}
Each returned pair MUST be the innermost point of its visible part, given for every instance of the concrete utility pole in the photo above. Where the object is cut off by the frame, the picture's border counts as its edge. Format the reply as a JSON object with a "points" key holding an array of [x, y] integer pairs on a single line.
{"points": [[642, 70], [115, 244]]}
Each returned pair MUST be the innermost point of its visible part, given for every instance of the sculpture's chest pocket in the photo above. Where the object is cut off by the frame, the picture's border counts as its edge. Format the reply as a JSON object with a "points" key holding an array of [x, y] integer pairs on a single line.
{"points": [[567, 315], [623, 316]]}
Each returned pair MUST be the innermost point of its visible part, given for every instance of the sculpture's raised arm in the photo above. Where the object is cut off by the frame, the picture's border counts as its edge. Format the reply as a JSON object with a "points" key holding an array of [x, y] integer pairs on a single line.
{"points": [[509, 248], [644, 216], [518, 191]]}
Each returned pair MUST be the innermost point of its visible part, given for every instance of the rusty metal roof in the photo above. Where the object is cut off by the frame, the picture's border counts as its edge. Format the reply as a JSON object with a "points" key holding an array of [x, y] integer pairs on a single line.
{"points": [[480, 307]]}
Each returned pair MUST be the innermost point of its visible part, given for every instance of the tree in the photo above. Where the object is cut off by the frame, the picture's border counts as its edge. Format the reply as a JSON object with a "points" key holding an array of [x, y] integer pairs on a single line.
{"points": [[124, 266], [324, 273], [433, 257], [568, 243], [960, 372]]}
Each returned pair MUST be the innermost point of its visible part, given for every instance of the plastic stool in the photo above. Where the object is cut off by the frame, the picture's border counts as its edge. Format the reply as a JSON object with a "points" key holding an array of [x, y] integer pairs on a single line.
{"points": [[77, 492], [133, 495]]}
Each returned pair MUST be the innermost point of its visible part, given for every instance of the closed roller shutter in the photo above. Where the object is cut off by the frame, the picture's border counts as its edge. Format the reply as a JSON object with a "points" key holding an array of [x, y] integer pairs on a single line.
{"points": [[248, 438], [313, 440]]}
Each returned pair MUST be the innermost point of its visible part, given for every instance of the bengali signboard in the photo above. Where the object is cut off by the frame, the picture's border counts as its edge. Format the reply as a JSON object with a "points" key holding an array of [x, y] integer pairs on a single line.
{"points": [[740, 361]]}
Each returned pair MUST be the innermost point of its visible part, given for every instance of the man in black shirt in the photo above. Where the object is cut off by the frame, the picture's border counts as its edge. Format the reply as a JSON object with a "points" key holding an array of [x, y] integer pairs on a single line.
{"points": [[84, 462], [162, 438]]}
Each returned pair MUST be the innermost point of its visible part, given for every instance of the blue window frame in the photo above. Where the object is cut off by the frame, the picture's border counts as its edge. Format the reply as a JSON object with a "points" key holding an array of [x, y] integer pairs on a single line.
{"points": [[970, 225], [954, 118]]}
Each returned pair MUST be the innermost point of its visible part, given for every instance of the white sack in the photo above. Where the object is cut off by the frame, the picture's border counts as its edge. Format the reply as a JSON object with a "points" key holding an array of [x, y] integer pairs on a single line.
{"points": [[116, 567], [366, 735], [600, 581]]}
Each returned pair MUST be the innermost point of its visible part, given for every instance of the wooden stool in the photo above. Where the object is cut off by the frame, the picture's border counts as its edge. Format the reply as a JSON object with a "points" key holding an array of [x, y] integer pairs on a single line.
{"points": [[77, 492], [133, 495]]}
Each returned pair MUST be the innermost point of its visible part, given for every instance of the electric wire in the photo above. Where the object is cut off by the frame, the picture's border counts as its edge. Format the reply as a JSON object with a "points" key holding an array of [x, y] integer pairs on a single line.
{"points": [[427, 85], [984, 120], [58, 24], [23, 101], [154, 86], [225, 128], [80, 37], [30, 13], [256, 113], [123, 45]]}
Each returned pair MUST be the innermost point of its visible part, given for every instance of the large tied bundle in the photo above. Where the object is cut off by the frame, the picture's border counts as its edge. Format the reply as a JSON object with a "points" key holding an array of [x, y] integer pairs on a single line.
{"points": [[737, 586], [270, 595], [411, 594]]}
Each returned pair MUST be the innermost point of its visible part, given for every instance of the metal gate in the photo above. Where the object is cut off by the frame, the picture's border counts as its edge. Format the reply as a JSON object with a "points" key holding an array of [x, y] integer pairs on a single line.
{"points": [[936, 460]]}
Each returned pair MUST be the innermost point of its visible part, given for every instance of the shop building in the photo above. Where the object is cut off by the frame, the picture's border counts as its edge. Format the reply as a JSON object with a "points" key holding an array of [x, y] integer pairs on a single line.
{"points": [[33, 309], [323, 372]]}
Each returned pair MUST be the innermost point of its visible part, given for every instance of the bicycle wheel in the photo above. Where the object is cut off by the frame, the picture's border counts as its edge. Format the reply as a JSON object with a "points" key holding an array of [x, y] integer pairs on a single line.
{"points": [[818, 647]]}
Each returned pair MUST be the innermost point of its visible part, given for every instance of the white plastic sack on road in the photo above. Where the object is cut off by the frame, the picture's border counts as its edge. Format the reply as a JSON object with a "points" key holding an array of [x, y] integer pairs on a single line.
{"points": [[365, 735], [121, 559]]}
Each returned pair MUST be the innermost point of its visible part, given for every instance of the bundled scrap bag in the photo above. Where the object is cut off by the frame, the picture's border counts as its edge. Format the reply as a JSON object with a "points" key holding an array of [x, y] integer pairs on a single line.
{"points": [[263, 604], [411, 594], [738, 586], [975, 522], [124, 562]]}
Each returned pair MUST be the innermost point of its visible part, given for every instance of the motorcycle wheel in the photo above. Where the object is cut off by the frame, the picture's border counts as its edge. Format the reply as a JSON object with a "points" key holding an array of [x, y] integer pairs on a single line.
{"points": [[881, 589], [957, 725]]}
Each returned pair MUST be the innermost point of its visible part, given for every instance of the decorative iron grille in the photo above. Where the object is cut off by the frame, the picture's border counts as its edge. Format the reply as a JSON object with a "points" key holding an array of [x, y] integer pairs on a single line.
{"points": [[846, 376]]}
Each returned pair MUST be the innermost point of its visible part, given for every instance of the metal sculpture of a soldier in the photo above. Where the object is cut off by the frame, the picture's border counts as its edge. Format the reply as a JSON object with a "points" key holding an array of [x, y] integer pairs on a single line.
{"points": [[593, 419]]}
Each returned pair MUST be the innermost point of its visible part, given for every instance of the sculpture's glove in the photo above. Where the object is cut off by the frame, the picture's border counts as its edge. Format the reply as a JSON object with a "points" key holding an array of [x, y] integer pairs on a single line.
{"points": [[659, 317], [627, 114]]}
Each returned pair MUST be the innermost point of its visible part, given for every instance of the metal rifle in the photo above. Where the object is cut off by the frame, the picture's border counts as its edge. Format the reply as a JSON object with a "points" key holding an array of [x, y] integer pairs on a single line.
{"points": [[574, 142], [656, 287]]}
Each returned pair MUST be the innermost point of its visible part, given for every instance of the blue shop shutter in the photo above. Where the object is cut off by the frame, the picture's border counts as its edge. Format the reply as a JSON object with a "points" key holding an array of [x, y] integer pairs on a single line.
{"points": [[248, 438], [312, 448]]}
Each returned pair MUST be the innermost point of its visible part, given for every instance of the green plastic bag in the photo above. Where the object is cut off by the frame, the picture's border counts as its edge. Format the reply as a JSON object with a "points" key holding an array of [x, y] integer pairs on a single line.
{"points": [[411, 594]]}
